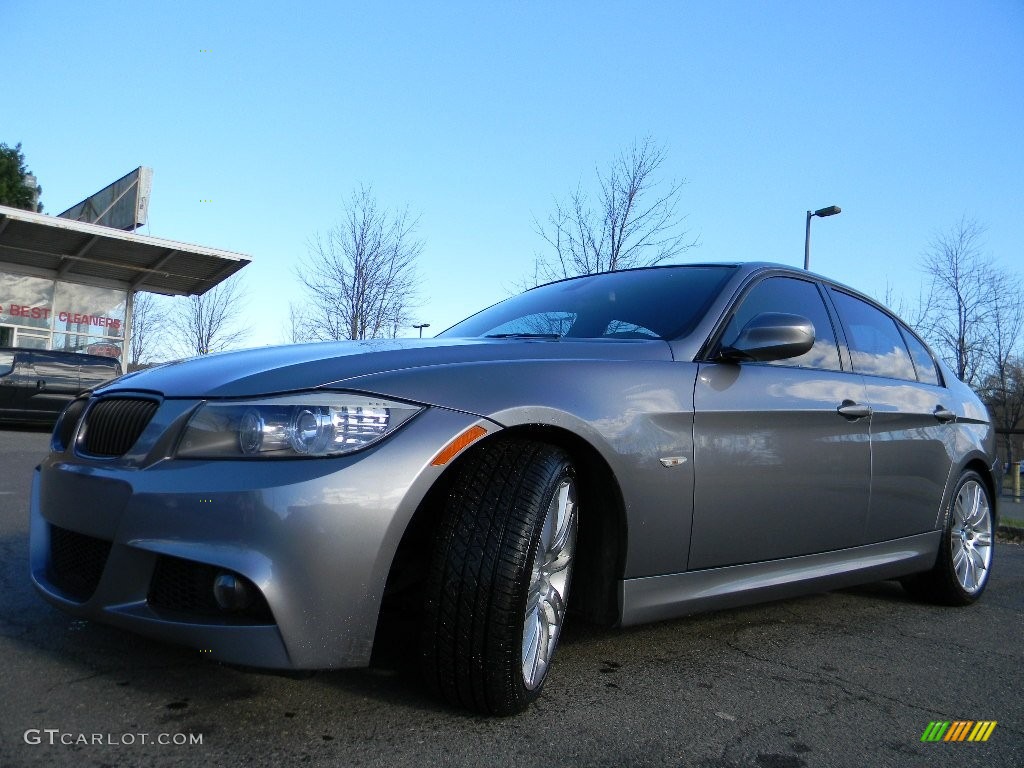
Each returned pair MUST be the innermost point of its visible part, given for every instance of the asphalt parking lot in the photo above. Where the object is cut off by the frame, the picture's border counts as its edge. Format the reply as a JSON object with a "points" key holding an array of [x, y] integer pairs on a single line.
{"points": [[848, 678]]}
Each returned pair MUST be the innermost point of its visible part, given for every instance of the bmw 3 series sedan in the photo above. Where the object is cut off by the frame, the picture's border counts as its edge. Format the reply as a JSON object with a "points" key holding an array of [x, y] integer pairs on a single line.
{"points": [[622, 447]]}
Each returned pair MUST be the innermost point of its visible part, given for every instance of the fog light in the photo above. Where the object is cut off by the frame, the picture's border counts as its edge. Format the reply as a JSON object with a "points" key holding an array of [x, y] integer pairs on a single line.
{"points": [[231, 592]]}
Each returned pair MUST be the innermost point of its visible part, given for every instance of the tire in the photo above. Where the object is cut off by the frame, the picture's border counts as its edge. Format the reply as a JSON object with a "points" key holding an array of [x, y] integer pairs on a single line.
{"points": [[964, 562], [499, 578]]}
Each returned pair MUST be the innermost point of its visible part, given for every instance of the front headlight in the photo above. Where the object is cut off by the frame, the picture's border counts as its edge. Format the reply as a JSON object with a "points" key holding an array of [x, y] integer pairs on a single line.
{"points": [[313, 424]]}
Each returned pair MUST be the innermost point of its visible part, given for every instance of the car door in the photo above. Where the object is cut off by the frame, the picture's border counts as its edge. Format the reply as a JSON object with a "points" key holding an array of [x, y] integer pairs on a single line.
{"points": [[56, 381], [912, 433], [780, 469]]}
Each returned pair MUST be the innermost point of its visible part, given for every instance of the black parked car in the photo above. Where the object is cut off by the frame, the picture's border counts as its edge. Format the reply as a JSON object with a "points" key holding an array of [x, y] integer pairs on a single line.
{"points": [[36, 384]]}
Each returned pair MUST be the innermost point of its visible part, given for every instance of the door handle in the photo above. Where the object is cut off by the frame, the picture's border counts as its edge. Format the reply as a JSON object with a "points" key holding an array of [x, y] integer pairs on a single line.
{"points": [[943, 414], [853, 411], [40, 384]]}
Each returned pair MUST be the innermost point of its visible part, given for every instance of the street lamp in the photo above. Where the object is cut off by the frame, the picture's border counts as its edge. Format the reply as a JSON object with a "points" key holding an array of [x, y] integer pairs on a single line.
{"points": [[421, 326], [832, 210]]}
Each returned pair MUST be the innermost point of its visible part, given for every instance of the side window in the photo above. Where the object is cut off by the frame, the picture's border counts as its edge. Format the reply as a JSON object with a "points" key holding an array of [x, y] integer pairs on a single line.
{"points": [[55, 367], [927, 371], [794, 296], [876, 345], [94, 374], [6, 362]]}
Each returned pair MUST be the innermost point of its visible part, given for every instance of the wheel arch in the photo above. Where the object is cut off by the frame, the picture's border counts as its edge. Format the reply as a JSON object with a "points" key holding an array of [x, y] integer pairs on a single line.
{"points": [[601, 543], [942, 584], [976, 463], [973, 462]]}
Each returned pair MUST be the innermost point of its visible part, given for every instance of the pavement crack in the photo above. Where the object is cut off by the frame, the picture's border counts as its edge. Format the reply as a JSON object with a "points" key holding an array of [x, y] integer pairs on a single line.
{"points": [[848, 687]]}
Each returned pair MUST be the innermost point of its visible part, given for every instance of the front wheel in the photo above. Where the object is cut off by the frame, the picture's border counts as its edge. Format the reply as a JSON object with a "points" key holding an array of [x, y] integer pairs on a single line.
{"points": [[500, 574], [964, 563]]}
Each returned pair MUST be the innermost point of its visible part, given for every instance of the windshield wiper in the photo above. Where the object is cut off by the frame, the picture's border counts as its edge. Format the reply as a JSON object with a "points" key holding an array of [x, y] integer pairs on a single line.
{"points": [[523, 336]]}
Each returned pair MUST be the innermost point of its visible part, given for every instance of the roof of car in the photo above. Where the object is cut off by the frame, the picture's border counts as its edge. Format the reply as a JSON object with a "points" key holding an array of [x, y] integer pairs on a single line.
{"points": [[745, 267]]}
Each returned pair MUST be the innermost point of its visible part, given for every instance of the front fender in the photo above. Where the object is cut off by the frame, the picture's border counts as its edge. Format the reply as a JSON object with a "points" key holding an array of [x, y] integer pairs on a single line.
{"points": [[632, 412]]}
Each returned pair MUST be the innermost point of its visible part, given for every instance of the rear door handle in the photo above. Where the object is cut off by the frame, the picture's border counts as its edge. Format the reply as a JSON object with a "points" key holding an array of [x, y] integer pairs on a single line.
{"points": [[853, 411], [943, 414]]}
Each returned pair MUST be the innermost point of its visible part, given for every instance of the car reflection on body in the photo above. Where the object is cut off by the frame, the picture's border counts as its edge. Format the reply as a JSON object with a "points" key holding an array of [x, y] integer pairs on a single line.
{"points": [[628, 447]]}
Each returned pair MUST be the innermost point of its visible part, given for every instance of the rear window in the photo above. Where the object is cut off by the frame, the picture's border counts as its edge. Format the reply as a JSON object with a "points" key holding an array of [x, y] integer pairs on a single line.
{"points": [[662, 303]]}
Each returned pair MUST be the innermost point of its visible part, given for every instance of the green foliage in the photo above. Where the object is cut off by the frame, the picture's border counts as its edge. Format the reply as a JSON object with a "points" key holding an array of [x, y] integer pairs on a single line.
{"points": [[13, 189]]}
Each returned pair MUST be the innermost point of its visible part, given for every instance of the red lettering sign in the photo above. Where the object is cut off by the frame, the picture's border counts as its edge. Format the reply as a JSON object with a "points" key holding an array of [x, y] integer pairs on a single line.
{"points": [[73, 318], [23, 310], [76, 318]]}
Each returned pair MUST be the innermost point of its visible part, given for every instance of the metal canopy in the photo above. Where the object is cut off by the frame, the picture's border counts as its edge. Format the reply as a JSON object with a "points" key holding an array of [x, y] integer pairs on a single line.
{"points": [[91, 253]]}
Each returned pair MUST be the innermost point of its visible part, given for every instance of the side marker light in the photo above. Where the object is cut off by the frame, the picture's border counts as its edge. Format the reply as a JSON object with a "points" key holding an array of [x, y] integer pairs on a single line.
{"points": [[465, 439]]}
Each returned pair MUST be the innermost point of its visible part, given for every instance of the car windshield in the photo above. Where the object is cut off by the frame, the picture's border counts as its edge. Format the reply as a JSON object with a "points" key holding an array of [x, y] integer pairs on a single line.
{"points": [[659, 303]]}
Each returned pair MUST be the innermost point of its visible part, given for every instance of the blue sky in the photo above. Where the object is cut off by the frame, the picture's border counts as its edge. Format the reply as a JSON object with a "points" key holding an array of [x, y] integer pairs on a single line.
{"points": [[476, 115]]}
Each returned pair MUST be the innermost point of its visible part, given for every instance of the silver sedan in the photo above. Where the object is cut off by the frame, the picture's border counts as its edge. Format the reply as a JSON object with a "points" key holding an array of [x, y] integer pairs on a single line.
{"points": [[621, 448]]}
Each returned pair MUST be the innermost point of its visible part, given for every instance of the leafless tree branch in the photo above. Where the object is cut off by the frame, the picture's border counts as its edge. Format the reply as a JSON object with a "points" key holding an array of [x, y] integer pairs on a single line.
{"points": [[958, 304], [972, 313], [202, 325], [633, 222], [360, 278], [149, 317]]}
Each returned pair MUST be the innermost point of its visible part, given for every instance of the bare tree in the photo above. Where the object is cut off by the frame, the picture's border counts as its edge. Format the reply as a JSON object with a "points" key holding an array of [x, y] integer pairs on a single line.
{"points": [[1006, 319], [1003, 393], [360, 278], [634, 220], [149, 317], [973, 315], [1003, 387], [296, 325], [911, 312], [201, 325], [958, 304]]}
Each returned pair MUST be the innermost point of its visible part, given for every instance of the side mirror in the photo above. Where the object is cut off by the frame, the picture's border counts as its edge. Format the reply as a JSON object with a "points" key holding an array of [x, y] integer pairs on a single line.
{"points": [[770, 336]]}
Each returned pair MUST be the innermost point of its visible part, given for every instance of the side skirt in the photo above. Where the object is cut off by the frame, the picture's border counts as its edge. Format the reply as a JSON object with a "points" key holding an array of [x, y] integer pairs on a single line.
{"points": [[655, 598]]}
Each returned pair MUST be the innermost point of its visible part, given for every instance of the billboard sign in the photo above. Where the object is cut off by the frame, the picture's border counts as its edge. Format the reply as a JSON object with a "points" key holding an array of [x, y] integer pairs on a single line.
{"points": [[122, 205]]}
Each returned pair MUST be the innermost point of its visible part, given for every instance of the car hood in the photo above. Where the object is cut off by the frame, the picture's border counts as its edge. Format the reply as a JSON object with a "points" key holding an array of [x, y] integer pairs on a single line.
{"points": [[270, 370]]}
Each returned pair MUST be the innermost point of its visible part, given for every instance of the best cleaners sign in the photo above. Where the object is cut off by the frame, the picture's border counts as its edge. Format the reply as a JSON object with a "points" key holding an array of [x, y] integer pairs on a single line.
{"points": [[21, 311]]}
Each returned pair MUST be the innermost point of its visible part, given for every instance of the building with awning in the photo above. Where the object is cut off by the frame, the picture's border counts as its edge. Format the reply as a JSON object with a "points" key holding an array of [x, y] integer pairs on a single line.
{"points": [[69, 285]]}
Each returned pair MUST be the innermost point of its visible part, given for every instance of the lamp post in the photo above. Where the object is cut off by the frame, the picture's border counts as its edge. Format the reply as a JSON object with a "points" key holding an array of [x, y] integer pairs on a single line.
{"points": [[832, 210], [421, 326]]}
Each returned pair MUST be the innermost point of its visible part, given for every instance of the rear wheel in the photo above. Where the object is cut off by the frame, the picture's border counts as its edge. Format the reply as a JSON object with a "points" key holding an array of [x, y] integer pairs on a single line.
{"points": [[499, 579], [964, 563]]}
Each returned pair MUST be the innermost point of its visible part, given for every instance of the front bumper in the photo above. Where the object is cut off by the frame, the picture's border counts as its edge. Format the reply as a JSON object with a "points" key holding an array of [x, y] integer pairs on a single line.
{"points": [[315, 537]]}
